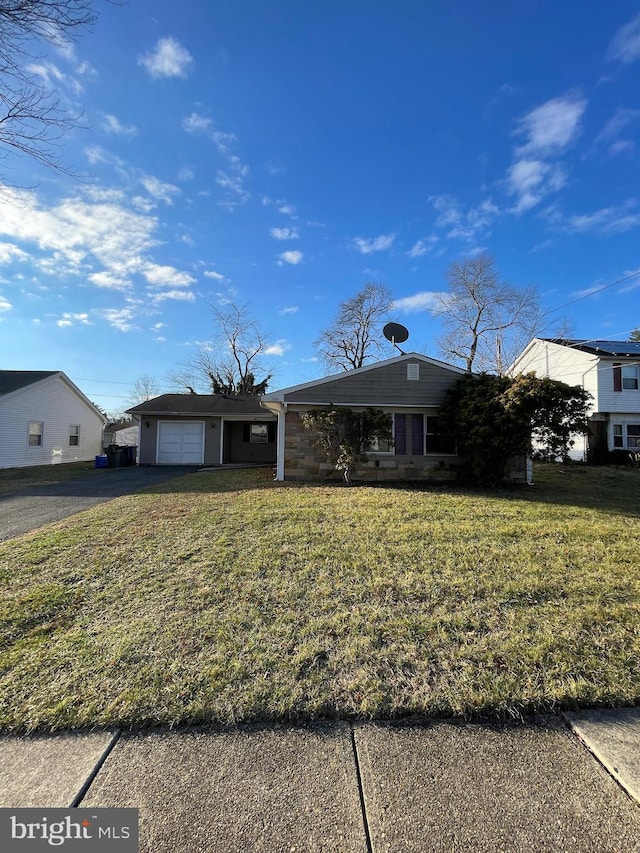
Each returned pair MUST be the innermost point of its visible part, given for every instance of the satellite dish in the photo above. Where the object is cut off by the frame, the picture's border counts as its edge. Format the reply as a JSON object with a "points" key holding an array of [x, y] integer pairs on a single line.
{"points": [[395, 333]]}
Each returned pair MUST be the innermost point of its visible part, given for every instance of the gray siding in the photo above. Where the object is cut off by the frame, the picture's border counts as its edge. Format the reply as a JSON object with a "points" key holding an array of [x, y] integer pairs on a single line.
{"points": [[384, 386], [148, 439], [238, 449]]}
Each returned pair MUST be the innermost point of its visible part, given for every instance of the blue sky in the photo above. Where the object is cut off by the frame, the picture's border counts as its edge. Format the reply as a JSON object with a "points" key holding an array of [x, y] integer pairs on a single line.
{"points": [[283, 155]]}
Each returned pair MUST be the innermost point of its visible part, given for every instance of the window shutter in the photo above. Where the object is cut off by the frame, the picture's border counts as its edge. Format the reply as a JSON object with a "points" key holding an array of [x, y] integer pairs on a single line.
{"points": [[401, 434], [417, 435], [271, 432], [617, 376], [246, 432]]}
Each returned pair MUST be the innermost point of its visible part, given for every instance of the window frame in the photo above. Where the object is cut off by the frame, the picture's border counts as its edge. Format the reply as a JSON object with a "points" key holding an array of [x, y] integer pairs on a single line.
{"points": [[428, 452], [39, 435], [259, 437], [391, 451], [629, 374], [73, 435], [621, 437]]}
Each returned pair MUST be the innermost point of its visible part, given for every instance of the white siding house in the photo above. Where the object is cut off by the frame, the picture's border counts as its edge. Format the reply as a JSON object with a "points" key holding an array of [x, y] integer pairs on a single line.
{"points": [[609, 370], [45, 419]]}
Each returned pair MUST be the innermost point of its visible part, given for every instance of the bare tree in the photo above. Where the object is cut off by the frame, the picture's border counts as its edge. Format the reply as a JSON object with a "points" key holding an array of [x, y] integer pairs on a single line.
{"points": [[32, 117], [144, 388], [355, 336], [486, 320], [234, 363], [635, 335]]}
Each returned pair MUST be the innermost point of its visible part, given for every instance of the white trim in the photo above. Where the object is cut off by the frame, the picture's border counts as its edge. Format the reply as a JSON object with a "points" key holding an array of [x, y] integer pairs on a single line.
{"points": [[280, 439]]}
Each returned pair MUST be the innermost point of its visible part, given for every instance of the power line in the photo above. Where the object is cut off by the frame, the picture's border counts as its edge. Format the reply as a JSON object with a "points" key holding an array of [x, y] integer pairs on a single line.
{"points": [[593, 293]]}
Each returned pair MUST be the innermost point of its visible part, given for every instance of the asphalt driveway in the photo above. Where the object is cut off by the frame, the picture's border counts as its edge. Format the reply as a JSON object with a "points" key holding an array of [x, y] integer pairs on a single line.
{"points": [[30, 508]]}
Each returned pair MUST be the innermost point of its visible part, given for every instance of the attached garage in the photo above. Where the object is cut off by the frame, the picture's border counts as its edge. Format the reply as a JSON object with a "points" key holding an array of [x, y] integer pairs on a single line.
{"points": [[180, 443], [205, 429]]}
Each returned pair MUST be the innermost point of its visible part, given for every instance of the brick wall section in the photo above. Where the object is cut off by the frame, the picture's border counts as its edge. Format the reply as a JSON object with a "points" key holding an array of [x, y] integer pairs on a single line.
{"points": [[303, 462]]}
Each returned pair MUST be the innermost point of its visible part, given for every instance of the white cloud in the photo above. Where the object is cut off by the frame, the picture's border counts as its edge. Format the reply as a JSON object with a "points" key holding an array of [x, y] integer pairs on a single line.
{"points": [[168, 59], [290, 257], [233, 185], [621, 146], [610, 134], [462, 224], [69, 319], [375, 244], [287, 209], [619, 120], [284, 233], [423, 301], [278, 348], [186, 174], [548, 130], [10, 252], [164, 276], [606, 221], [422, 246], [5, 305], [217, 276], [290, 309], [625, 45], [120, 318], [73, 228], [111, 124], [159, 190], [109, 281], [551, 127], [196, 123], [179, 295], [532, 180]]}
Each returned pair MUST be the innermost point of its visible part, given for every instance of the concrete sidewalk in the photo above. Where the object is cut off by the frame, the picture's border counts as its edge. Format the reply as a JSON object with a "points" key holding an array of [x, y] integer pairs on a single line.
{"points": [[397, 787]]}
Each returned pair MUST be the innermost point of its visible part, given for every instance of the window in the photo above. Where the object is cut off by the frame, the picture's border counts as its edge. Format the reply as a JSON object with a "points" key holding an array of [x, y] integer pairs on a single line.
{"points": [[618, 437], [379, 445], [630, 377], [74, 436], [36, 429], [259, 434], [626, 436], [413, 372], [633, 436], [438, 442]]}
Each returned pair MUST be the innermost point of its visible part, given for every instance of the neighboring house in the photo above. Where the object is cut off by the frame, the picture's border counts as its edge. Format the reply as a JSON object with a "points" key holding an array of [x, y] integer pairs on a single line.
{"points": [[609, 370], [204, 429], [45, 419], [409, 387], [122, 433]]}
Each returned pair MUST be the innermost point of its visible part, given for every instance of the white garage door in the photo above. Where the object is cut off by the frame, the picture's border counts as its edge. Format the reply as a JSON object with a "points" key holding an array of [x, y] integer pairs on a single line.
{"points": [[180, 443]]}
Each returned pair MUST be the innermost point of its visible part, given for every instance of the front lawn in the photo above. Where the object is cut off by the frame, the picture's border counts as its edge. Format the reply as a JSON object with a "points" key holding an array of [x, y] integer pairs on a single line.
{"points": [[222, 596]]}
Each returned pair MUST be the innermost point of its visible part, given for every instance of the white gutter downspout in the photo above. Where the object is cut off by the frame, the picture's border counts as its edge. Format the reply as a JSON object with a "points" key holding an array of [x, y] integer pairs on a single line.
{"points": [[282, 414]]}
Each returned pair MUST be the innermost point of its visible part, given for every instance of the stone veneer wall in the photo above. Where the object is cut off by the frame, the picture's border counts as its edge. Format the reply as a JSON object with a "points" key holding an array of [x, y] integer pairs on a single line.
{"points": [[303, 462]]}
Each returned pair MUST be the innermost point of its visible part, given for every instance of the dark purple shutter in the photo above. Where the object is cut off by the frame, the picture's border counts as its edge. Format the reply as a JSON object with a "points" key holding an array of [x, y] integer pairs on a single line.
{"points": [[401, 434], [617, 376], [417, 435]]}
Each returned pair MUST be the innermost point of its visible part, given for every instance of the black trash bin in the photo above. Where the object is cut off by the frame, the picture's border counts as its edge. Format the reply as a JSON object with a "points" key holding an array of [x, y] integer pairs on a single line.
{"points": [[116, 455], [132, 452]]}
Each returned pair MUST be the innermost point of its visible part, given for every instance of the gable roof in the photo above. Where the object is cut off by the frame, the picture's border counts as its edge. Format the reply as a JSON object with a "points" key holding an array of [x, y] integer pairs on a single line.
{"points": [[278, 396], [617, 349], [199, 404], [13, 380], [16, 380]]}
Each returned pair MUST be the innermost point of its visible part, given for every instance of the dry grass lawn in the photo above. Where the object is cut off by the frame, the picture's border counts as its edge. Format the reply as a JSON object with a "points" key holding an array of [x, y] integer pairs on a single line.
{"points": [[222, 596]]}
